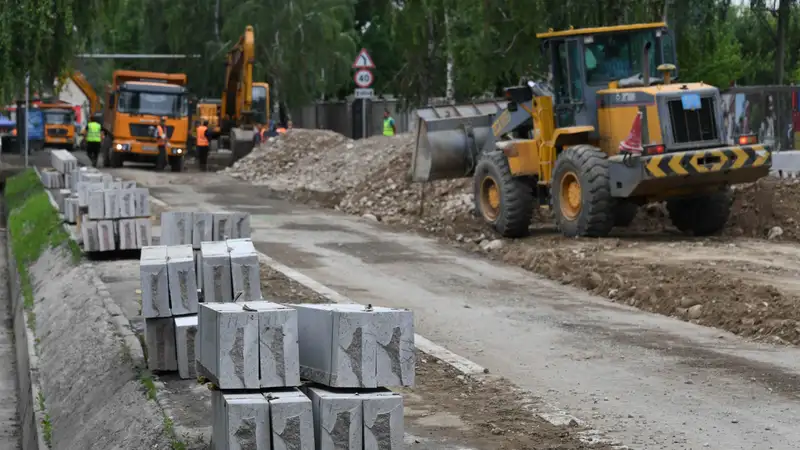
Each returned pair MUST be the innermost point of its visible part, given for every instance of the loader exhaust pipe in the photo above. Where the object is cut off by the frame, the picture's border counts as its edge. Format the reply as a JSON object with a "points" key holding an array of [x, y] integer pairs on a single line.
{"points": [[449, 137]]}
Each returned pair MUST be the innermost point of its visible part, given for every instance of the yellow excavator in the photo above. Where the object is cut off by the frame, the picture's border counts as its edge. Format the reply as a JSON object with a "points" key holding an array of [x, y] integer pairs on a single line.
{"points": [[617, 130], [244, 103]]}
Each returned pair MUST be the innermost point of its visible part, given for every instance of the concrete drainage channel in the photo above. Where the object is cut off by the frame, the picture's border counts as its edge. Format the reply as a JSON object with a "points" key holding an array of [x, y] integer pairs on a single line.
{"points": [[120, 405]]}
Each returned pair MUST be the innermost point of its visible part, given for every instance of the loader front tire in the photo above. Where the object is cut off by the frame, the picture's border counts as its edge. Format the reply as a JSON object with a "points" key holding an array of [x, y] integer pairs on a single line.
{"points": [[502, 200], [703, 214], [581, 193]]}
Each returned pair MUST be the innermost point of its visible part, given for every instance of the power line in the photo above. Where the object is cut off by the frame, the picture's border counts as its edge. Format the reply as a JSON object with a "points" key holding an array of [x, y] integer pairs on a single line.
{"points": [[135, 56]]}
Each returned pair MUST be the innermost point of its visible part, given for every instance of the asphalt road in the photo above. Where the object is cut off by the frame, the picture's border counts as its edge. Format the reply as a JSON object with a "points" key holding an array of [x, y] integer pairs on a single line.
{"points": [[649, 381]]}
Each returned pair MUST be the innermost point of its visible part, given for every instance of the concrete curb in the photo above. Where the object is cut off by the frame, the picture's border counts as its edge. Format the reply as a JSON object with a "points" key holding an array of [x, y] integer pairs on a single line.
{"points": [[468, 368], [31, 418]]}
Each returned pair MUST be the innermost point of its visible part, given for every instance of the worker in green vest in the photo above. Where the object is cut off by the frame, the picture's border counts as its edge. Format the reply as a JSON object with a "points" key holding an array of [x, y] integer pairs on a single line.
{"points": [[389, 129], [93, 133]]}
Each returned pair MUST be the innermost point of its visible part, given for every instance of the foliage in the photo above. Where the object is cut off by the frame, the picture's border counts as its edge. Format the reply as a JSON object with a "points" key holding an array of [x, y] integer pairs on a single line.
{"points": [[304, 47]]}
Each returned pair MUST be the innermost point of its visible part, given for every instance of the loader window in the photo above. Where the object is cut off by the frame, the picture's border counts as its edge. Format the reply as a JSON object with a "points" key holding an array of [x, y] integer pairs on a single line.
{"points": [[613, 57], [157, 104]]}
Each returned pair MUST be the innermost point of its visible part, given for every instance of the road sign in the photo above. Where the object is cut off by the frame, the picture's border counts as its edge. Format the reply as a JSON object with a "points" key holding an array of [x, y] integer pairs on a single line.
{"points": [[364, 93], [363, 78], [363, 60]]}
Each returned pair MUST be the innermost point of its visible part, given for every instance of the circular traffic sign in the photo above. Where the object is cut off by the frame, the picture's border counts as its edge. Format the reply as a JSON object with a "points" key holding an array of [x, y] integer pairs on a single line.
{"points": [[363, 78]]}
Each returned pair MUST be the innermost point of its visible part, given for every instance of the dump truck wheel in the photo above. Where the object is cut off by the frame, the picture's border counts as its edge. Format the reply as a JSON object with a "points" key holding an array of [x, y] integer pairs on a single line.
{"points": [[581, 194], [176, 164], [114, 159], [502, 200], [624, 213], [701, 215]]}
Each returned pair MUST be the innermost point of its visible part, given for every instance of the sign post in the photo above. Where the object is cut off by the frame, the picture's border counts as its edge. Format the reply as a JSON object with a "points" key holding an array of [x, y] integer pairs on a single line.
{"points": [[364, 79]]}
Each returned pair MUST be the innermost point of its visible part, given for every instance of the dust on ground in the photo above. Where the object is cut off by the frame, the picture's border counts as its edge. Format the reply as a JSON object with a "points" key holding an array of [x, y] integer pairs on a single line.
{"points": [[747, 280]]}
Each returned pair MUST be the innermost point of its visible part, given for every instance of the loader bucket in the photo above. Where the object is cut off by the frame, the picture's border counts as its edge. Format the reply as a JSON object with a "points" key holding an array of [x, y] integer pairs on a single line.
{"points": [[448, 135]]}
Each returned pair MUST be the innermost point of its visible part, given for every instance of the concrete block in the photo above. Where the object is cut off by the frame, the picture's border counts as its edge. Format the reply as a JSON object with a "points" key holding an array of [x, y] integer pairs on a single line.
{"points": [[108, 181], [159, 335], [245, 274], [111, 203], [240, 225], [63, 161], [52, 179], [202, 228], [383, 420], [338, 419], [352, 346], [141, 202], [127, 204], [144, 232], [278, 351], [240, 422], [71, 209], [182, 280], [106, 235], [154, 285], [223, 226], [217, 283], [127, 234], [186, 345], [229, 345], [91, 240], [176, 228], [59, 196], [127, 184], [292, 420], [96, 204]]}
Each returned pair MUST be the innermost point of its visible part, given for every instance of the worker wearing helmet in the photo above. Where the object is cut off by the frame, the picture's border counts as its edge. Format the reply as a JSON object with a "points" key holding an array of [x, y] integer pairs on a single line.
{"points": [[163, 141]]}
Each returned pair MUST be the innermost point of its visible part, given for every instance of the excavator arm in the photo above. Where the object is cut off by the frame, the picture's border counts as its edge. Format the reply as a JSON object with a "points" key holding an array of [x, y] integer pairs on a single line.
{"points": [[237, 98], [83, 84]]}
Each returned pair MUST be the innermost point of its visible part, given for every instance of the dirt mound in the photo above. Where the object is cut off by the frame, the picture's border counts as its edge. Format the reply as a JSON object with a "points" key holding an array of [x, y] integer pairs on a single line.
{"points": [[317, 160], [769, 208]]}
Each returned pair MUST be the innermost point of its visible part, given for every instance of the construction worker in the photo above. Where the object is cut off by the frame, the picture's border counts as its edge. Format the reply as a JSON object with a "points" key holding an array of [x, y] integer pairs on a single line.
{"points": [[389, 128], [93, 134], [202, 145], [163, 141]]}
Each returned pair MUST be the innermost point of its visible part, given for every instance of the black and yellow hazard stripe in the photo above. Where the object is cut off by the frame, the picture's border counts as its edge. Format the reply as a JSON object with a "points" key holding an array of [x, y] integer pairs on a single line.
{"points": [[706, 161]]}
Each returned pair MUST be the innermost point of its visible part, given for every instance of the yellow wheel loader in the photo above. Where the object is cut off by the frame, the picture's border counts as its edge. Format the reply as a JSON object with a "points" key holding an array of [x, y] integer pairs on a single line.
{"points": [[618, 130]]}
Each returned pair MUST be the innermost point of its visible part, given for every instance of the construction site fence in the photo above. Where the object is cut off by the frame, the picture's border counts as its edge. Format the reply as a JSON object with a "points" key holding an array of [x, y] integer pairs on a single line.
{"points": [[771, 112]]}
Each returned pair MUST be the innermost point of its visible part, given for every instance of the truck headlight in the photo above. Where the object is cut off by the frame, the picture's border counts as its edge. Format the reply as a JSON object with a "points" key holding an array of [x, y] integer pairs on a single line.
{"points": [[178, 151], [123, 147]]}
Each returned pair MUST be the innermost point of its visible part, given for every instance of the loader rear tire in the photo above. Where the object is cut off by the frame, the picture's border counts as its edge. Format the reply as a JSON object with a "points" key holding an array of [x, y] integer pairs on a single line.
{"points": [[581, 193], [502, 200], [701, 215]]}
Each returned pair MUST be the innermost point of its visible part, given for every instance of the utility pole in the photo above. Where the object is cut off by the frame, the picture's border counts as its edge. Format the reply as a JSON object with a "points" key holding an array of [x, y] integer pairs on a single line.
{"points": [[27, 110]]}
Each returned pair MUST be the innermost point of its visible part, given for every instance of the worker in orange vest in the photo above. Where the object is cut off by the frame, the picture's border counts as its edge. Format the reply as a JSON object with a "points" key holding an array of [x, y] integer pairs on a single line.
{"points": [[163, 142], [202, 145]]}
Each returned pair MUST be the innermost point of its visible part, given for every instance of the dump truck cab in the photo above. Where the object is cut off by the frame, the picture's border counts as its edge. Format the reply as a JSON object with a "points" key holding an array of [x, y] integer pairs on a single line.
{"points": [[619, 129], [59, 125], [136, 103]]}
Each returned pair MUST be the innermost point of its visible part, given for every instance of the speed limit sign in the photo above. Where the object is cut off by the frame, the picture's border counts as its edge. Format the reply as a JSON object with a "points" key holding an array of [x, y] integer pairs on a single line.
{"points": [[363, 78]]}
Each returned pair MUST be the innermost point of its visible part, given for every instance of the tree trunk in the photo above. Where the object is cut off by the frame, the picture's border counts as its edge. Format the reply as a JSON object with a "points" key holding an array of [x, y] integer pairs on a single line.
{"points": [[450, 90], [780, 48], [216, 20]]}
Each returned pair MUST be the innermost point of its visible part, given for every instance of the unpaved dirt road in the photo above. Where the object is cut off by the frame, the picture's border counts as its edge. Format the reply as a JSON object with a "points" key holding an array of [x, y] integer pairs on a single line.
{"points": [[653, 382]]}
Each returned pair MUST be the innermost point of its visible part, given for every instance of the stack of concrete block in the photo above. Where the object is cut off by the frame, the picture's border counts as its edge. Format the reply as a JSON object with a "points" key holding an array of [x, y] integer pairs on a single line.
{"points": [[115, 201], [249, 351], [353, 353], [52, 179], [229, 271], [169, 307]]}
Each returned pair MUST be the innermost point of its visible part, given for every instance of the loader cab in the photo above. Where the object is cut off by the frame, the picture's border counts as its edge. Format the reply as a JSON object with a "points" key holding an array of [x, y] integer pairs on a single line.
{"points": [[585, 61]]}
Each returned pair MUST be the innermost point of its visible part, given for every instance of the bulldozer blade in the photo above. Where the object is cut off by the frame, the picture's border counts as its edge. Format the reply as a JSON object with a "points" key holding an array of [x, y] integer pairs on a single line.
{"points": [[449, 136]]}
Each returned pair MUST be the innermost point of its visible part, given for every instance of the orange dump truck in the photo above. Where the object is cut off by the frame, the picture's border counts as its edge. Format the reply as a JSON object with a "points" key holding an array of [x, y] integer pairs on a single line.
{"points": [[136, 102], [59, 125]]}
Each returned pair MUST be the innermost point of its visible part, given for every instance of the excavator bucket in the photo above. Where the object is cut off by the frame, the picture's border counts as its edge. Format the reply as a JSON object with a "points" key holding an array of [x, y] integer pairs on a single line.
{"points": [[448, 136]]}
